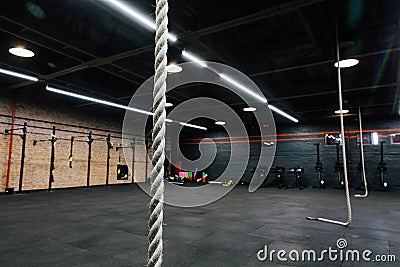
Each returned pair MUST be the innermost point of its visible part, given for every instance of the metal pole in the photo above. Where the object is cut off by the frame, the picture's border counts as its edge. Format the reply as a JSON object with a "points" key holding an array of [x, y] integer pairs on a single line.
{"points": [[133, 160], [21, 171], [70, 151], [53, 146], [11, 147], [341, 184], [318, 161], [90, 141], [109, 146]]}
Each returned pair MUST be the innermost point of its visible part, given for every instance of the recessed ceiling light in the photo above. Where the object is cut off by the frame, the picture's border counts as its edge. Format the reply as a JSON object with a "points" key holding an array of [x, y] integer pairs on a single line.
{"points": [[344, 111], [168, 105], [21, 52], [347, 63], [220, 123], [172, 68], [249, 109]]}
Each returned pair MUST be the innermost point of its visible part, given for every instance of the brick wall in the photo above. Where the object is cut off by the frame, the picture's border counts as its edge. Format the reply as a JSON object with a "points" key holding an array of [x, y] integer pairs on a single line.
{"points": [[41, 116]]}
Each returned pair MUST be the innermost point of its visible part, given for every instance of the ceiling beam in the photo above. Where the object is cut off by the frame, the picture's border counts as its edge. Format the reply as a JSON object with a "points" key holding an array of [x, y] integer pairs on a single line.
{"points": [[349, 90], [327, 61], [263, 14], [267, 13], [312, 37]]}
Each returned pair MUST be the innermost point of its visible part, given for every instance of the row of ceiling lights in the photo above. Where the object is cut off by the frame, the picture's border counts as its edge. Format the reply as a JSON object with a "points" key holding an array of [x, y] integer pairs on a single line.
{"points": [[22, 52]]}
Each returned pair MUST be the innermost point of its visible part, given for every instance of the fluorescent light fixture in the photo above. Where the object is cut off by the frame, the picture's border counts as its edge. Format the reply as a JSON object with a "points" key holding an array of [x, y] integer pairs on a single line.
{"points": [[249, 109], [193, 126], [375, 139], [220, 123], [344, 111], [193, 58], [243, 88], [284, 114], [347, 63], [111, 104], [21, 52], [135, 14], [19, 75], [91, 99], [168, 105], [172, 68]]}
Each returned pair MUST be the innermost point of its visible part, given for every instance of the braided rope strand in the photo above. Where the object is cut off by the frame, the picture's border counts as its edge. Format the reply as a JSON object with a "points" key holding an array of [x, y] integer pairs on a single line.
{"points": [[362, 157], [346, 180], [155, 251]]}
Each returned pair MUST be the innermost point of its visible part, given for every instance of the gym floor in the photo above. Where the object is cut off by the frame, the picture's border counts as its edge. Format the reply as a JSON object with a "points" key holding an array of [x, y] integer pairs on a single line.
{"points": [[108, 227]]}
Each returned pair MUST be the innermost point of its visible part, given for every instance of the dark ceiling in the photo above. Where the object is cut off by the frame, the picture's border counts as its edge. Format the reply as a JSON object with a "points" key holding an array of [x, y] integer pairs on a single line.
{"points": [[287, 47]]}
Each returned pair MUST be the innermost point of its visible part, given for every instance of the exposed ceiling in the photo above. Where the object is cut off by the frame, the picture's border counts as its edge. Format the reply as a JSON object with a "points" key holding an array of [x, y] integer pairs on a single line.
{"points": [[287, 47]]}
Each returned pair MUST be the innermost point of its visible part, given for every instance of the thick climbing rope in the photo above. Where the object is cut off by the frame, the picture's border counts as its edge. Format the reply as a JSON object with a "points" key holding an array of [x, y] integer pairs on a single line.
{"points": [[362, 157], [155, 251], [346, 180]]}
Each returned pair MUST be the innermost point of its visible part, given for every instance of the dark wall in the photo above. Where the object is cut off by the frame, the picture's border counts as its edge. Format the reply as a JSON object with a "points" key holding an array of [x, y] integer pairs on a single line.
{"points": [[294, 148]]}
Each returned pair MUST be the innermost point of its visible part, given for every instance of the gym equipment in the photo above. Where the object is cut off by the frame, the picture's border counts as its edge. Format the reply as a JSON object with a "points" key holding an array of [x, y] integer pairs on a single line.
{"points": [[109, 147], [53, 139], [89, 141], [382, 170], [70, 151], [122, 172], [53, 148], [339, 169], [10, 191], [318, 167], [117, 148], [278, 181], [228, 183], [21, 170], [298, 183]]}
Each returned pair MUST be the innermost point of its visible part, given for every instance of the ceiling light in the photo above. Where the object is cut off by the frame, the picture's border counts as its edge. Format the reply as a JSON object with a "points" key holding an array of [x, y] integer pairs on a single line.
{"points": [[193, 126], [347, 63], [220, 123], [284, 114], [194, 58], [19, 75], [243, 88], [107, 103], [249, 109], [168, 105], [269, 143], [344, 111], [135, 14], [172, 68], [21, 52]]}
